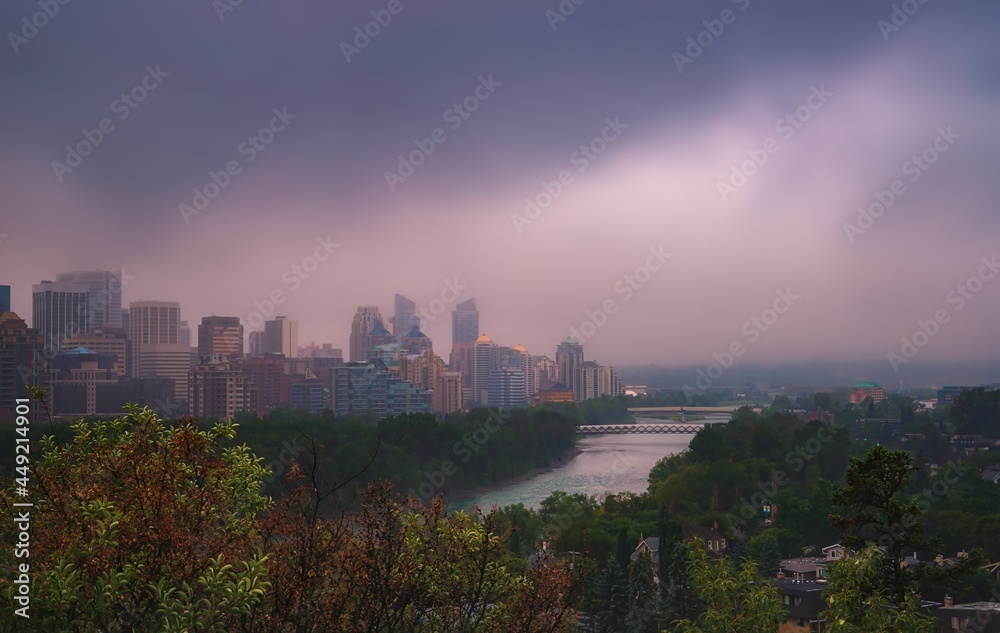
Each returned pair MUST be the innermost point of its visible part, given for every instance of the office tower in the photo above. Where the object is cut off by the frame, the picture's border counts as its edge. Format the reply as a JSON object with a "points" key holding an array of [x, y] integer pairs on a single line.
{"points": [[125, 320], [359, 387], [484, 354], [4, 299], [507, 388], [267, 383], [84, 382], [105, 301], [104, 341], [404, 318], [157, 350], [326, 350], [311, 395], [611, 384], [218, 389], [569, 357], [465, 322], [363, 323], [59, 310], [222, 336], [281, 336], [415, 341], [378, 336], [255, 345], [184, 333], [21, 361]]}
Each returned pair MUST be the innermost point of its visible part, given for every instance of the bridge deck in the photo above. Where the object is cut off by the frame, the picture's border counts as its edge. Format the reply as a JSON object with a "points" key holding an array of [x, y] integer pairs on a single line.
{"points": [[678, 429]]}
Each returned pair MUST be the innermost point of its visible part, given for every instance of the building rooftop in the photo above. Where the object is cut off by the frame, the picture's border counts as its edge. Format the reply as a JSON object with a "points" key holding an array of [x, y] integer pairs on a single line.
{"points": [[484, 339]]}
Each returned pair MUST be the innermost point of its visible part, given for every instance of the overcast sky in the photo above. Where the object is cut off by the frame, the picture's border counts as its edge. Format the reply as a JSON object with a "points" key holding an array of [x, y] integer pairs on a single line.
{"points": [[870, 96]]}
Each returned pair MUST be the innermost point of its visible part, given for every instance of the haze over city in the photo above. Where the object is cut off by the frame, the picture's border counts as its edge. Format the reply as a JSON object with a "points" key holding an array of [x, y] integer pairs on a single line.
{"points": [[866, 103]]}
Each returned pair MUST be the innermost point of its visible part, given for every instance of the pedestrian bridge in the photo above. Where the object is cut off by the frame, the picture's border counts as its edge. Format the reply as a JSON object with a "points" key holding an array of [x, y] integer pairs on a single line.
{"points": [[642, 427]]}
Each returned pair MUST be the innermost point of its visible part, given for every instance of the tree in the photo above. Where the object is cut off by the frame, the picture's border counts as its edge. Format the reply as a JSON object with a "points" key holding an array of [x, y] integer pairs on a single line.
{"points": [[606, 602], [977, 412], [764, 550], [643, 601], [736, 601], [856, 603], [877, 511], [678, 597]]}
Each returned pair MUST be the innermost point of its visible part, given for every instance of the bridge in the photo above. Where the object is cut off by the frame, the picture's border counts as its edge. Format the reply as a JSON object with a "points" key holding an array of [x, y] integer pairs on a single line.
{"points": [[697, 410], [602, 429]]}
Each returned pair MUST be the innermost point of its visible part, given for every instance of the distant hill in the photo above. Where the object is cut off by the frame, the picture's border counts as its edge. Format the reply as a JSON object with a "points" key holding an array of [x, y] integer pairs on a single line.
{"points": [[916, 374]]}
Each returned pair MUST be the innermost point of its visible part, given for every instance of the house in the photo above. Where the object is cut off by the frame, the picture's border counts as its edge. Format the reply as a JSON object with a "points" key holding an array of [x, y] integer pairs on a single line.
{"points": [[991, 474], [803, 602], [993, 569], [981, 617], [813, 567], [650, 545], [715, 542]]}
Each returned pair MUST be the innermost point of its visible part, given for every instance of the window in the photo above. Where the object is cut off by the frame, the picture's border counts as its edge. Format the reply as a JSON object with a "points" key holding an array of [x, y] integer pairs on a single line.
{"points": [[787, 599]]}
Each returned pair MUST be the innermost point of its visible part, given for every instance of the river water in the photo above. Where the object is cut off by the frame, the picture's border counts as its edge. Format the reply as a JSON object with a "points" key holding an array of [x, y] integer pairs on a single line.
{"points": [[606, 464]]}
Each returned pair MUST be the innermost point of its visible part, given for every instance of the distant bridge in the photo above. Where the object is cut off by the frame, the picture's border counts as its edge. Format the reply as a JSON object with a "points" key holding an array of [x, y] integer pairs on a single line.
{"points": [[685, 409], [601, 429]]}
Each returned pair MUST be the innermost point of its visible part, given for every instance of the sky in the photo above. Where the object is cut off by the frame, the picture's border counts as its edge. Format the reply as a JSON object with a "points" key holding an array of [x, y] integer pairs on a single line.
{"points": [[650, 235]]}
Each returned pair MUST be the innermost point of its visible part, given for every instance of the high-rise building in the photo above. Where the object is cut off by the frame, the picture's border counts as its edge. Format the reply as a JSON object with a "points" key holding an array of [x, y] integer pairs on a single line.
{"points": [[281, 336], [267, 383], [255, 344], [596, 381], [359, 387], [507, 388], [59, 310], [184, 332], [377, 337], [21, 351], [405, 317], [312, 395], [465, 322], [4, 299], [104, 341], [105, 301], [569, 357], [448, 392], [218, 389], [167, 360], [154, 323], [484, 360], [364, 321], [415, 341], [81, 380], [222, 336], [543, 372]]}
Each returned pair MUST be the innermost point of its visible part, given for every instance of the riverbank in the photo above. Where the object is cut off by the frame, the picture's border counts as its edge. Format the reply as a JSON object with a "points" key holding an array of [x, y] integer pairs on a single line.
{"points": [[467, 496]]}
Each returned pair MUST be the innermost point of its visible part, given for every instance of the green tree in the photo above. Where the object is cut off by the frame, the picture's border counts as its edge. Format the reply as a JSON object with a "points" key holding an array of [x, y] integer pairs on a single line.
{"points": [[644, 603], [606, 601], [736, 601], [857, 603], [764, 550]]}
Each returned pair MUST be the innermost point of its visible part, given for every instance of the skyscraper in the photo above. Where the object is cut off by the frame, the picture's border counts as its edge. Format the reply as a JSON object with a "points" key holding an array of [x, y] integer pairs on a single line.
{"points": [[59, 310], [507, 388], [4, 299], [484, 360], [465, 322], [105, 306], [222, 336], [20, 347], [156, 347], [404, 318], [569, 357], [281, 336], [364, 322]]}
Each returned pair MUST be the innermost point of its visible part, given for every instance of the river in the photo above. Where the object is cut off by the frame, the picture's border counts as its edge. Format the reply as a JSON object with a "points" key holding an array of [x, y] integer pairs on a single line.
{"points": [[605, 464]]}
